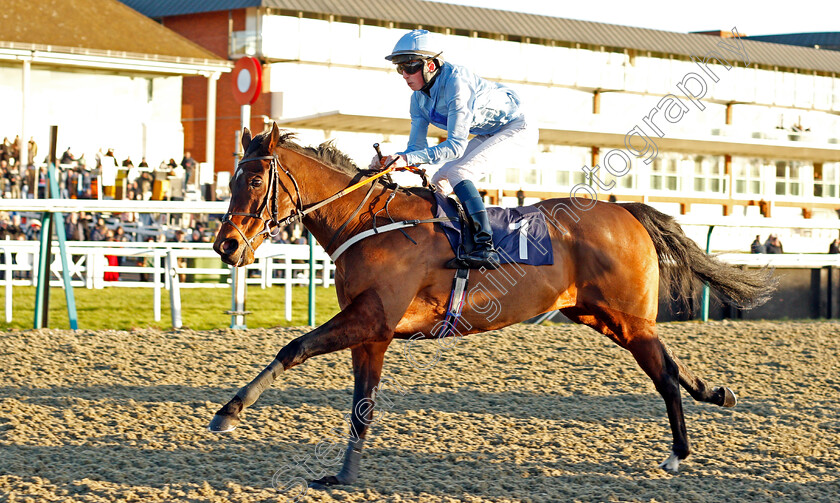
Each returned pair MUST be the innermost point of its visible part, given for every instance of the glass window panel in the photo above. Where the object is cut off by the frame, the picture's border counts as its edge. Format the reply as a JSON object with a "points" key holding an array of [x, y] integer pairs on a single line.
{"points": [[530, 176], [563, 178], [512, 175]]}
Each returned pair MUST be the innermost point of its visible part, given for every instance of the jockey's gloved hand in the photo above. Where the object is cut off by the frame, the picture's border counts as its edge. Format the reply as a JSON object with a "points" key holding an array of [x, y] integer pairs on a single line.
{"points": [[398, 161], [376, 163]]}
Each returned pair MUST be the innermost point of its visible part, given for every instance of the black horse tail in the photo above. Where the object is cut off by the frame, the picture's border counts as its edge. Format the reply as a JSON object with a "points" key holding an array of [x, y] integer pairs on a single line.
{"points": [[682, 263]]}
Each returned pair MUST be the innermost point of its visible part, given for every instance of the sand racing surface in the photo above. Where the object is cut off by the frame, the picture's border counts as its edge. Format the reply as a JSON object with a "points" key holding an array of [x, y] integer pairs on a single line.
{"points": [[528, 413]]}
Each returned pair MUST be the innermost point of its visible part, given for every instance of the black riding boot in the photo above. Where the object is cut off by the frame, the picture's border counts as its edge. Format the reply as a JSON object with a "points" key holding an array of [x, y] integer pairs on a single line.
{"points": [[483, 253]]}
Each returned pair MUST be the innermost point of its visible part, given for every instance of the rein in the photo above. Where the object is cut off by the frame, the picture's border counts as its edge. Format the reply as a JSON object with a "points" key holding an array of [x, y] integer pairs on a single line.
{"points": [[273, 221]]}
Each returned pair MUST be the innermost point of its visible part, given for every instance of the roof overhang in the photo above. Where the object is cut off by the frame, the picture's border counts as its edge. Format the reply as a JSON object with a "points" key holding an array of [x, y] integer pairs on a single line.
{"points": [[358, 123], [711, 145], [570, 135], [115, 61]]}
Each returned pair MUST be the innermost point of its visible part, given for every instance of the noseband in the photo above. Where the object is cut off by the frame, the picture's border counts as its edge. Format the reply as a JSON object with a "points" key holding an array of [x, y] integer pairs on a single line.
{"points": [[271, 223]]}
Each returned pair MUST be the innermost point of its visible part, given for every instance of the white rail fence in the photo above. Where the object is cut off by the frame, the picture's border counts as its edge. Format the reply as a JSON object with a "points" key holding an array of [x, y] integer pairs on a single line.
{"points": [[144, 265]]}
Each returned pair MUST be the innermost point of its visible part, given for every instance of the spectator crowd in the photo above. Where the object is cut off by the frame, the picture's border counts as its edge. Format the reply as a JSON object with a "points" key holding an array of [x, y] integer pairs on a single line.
{"points": [[80, 178]]}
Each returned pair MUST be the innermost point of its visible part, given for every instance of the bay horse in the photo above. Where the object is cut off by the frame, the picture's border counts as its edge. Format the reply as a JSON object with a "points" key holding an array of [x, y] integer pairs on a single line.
{"points": [[609, 260]]}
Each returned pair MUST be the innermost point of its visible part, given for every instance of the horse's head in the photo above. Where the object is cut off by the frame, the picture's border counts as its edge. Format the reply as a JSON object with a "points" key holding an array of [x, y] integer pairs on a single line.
{"points": [[262, 193]]}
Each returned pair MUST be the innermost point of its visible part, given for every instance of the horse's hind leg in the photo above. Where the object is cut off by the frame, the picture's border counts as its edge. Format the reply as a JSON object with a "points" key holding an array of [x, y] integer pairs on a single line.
{"points": [[653, 358], [698, 389], [639, 337]]}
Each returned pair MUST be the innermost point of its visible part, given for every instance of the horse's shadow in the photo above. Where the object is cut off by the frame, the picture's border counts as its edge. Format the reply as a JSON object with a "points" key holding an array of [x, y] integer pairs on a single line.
{"points": [[248, 460], [106, 470]]}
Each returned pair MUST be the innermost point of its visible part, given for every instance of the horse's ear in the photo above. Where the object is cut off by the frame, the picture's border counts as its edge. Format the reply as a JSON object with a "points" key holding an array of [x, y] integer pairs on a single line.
{"points": [[275, 137], [246, 139]]}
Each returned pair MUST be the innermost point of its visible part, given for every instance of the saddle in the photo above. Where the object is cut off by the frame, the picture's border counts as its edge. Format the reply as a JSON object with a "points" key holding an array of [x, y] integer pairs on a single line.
{"points": [[520, 234]]}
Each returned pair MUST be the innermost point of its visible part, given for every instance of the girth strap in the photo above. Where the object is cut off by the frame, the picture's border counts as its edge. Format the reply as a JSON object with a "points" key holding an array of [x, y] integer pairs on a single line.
{"points": [[385, 228]]}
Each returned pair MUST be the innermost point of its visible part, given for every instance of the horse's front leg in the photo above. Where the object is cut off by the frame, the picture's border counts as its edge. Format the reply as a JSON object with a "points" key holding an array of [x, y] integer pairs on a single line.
{"points": [[362, 321], [367, 370]]}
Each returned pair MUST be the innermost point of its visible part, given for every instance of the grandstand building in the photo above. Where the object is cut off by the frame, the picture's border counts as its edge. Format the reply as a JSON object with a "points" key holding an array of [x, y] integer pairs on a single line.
{"points": [[107, 76], [696, 124]]}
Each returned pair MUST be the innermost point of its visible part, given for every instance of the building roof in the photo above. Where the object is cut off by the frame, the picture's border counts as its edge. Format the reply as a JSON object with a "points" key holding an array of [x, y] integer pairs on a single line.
{"points": [[93, 25], [821, 40], [512, 24]]}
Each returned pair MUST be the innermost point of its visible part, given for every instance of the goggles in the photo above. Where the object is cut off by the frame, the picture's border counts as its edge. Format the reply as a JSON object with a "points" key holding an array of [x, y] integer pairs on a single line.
{"points": [[410, 67]]}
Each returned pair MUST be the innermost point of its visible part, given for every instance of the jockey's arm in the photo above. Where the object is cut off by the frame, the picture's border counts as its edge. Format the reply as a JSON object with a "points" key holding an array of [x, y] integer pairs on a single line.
{"points": [[458, 96]]}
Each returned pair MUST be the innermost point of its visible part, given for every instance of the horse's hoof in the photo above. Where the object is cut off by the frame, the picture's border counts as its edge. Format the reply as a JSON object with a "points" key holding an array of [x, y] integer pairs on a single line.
{"points": [[672, 464], [730, 399], [325, 482], [223, 423]]}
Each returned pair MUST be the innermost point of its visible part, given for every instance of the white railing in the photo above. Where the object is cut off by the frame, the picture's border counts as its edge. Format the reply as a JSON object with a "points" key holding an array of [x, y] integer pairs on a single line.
{"points": [[144, 266], [782, 260]]}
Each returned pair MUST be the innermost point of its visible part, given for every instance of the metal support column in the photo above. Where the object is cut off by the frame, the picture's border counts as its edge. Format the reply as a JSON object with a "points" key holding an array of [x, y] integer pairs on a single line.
{"points": [[50, 219]]}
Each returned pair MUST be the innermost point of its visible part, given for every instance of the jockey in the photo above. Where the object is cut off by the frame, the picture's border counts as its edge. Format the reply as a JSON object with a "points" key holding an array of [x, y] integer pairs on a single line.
{"points": [[453, 98]]}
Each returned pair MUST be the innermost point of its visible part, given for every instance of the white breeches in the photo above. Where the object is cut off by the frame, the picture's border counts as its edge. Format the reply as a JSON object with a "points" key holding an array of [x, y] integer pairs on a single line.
{"points": [[488, 153]]}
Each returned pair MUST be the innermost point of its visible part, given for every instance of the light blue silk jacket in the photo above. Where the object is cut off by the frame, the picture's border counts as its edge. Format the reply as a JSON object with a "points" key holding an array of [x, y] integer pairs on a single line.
{"points": [[461, 103]]}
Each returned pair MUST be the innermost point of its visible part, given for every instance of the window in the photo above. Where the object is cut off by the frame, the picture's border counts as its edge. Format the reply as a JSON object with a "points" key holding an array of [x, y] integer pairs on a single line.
{"points": [[664, 173], [560, 167], [788, 178], [747, 174], [567, 178], [827, 180], [709, 174], [530, 176]]}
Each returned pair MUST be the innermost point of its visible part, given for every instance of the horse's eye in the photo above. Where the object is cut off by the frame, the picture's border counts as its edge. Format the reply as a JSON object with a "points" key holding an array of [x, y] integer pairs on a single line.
{"points": [[255, 182]]}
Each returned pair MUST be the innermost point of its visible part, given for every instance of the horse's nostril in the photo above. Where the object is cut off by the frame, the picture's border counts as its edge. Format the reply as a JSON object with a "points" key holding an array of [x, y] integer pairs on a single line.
{"points": [[229, 246]]}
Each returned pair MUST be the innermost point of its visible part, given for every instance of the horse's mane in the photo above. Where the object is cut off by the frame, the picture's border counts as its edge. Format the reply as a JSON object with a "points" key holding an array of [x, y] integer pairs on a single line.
{"points": [[328, 154]]}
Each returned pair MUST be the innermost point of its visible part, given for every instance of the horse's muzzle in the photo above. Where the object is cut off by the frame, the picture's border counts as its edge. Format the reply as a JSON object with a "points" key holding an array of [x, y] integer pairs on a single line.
{"points": [[230, 251]]}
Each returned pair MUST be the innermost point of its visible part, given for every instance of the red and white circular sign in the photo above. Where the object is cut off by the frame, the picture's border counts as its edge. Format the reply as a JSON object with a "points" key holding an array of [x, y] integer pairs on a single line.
{"points": [[247, 80]]}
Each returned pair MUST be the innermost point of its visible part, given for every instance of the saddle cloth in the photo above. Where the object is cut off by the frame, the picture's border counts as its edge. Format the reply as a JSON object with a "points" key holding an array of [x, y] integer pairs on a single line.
{"points": [[519, 234]]}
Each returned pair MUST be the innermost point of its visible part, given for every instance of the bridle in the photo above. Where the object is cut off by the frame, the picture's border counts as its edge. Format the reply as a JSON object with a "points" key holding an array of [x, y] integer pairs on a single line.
{"points": [[272, 224]]}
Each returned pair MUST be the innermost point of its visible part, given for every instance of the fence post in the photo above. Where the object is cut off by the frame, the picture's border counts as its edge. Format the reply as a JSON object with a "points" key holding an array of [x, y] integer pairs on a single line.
{"points": [[9, 274], [90, 268], [311, 241], [237, 312], [287, 284], [156, 256], [166, 278], [264, 263], [174, 290], [33, 273], [325, 268]]}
